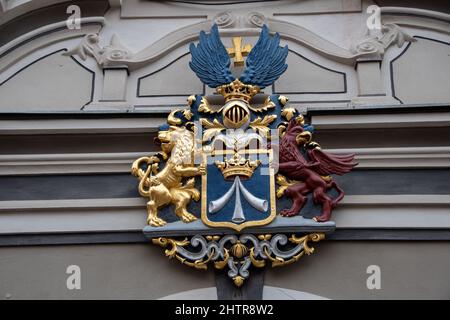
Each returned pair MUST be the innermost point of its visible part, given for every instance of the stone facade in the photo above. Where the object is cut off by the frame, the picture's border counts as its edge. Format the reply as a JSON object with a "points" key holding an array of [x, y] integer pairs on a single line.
{"points": [[77, 106]]}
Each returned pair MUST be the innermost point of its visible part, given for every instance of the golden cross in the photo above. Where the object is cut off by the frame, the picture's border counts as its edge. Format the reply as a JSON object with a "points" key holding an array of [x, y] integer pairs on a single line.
{"points": [[238, 52]]}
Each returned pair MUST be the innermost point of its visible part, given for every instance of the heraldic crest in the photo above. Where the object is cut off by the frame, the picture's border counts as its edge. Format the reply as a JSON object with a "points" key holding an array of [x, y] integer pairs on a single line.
{"points": [[239, 181]]}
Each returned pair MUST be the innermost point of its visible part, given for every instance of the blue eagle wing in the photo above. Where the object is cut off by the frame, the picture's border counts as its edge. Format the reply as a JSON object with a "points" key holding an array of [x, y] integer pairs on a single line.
{"points": [[210, 60], [266, 62]]}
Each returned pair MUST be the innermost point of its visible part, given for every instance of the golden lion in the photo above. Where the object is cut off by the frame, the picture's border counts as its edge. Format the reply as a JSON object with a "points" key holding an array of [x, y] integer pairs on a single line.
{"points": [[166, 187]]}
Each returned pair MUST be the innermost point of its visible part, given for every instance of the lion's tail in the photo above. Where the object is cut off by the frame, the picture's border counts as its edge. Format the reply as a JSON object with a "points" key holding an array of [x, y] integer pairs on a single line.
{"points": [[143, 190], [189, 187]]}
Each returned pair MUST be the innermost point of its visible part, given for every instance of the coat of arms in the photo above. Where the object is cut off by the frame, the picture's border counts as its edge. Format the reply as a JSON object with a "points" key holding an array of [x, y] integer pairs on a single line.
{"points": [[239, 180]]}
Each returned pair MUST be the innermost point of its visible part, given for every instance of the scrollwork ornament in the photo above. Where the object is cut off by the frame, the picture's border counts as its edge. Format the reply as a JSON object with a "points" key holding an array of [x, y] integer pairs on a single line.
{"points": [[225, 19], [391, 34], [113, 53], [239, 252], [256, 19]]}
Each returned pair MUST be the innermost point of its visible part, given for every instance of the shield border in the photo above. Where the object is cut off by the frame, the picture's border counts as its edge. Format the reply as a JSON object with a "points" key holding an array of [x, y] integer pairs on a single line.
{"points": [[231, 225]]}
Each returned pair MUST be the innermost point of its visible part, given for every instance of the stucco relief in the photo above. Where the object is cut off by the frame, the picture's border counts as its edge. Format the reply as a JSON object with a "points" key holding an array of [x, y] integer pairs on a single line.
{"points": [[104, 56], [391, 34], [246, 24], [228, 19]]}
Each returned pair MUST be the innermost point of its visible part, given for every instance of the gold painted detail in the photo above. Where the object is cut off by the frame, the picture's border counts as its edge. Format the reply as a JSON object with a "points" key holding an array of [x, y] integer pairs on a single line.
{"points": [[205, 107], [238, 253], [187, 113], [268, 104], [303, 241], [262, 125], [303, 138], [288, 113], [314, 237], [283, 183], [238, 52], [212, 128], [239, 250], [300, 120], [191, 99], [237, 90], [168, 185], [238, 281], [173, 120], [237, 165], [173, 252], [283, 100]]}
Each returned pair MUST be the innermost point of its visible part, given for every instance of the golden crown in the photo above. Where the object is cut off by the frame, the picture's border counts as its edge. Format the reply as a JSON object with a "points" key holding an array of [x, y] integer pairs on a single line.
{"points": [[237, 166], [238, 90]]}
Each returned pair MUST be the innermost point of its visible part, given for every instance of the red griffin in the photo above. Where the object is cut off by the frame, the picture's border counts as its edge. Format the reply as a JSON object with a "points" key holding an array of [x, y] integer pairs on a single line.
{"points": [[311, 173]]}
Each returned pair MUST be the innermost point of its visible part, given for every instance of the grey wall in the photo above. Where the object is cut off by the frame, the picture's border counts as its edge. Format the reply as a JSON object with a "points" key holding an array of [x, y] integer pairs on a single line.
{"points": [[107, 272], [337, 270]]}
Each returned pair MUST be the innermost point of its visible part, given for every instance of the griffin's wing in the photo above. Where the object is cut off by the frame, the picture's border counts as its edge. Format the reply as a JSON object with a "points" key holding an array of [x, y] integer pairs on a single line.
{"points": [[266, 62], [290, 152], [210, 60], [331, 163]]}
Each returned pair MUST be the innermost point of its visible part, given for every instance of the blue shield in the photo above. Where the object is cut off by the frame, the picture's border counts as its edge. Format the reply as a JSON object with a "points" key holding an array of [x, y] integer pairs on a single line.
{"points": [[238, 201]]}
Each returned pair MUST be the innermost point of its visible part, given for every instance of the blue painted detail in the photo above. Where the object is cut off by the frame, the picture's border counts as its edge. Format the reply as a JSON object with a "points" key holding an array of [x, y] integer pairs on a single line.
{"points": [[163, 127], [210, 60], [266, 62], [309, 127], [258, 185]]}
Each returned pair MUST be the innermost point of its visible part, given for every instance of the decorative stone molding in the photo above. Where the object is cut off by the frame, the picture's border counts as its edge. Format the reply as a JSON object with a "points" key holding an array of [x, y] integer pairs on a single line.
{"points": [[73, 126], [125, 214], [232, 24], [44, 36], [205, 9], [115, 54], [105, 56], [81, 163], [256, 19], [391, 34], [15, 8], [230, 19], [382, 121], [418, 18], [225, 19]]}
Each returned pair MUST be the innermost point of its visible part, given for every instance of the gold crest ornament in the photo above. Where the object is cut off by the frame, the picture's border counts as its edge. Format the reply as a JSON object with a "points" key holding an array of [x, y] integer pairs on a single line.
{"points": [[211, 190]]}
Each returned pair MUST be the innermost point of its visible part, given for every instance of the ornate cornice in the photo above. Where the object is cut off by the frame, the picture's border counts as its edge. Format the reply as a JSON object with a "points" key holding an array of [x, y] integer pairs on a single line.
{"points": [[232, 24]]}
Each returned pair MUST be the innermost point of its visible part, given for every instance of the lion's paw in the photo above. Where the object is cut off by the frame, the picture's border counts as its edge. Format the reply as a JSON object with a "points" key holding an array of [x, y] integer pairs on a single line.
{"points": [[188, 217], [156, 222]]}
